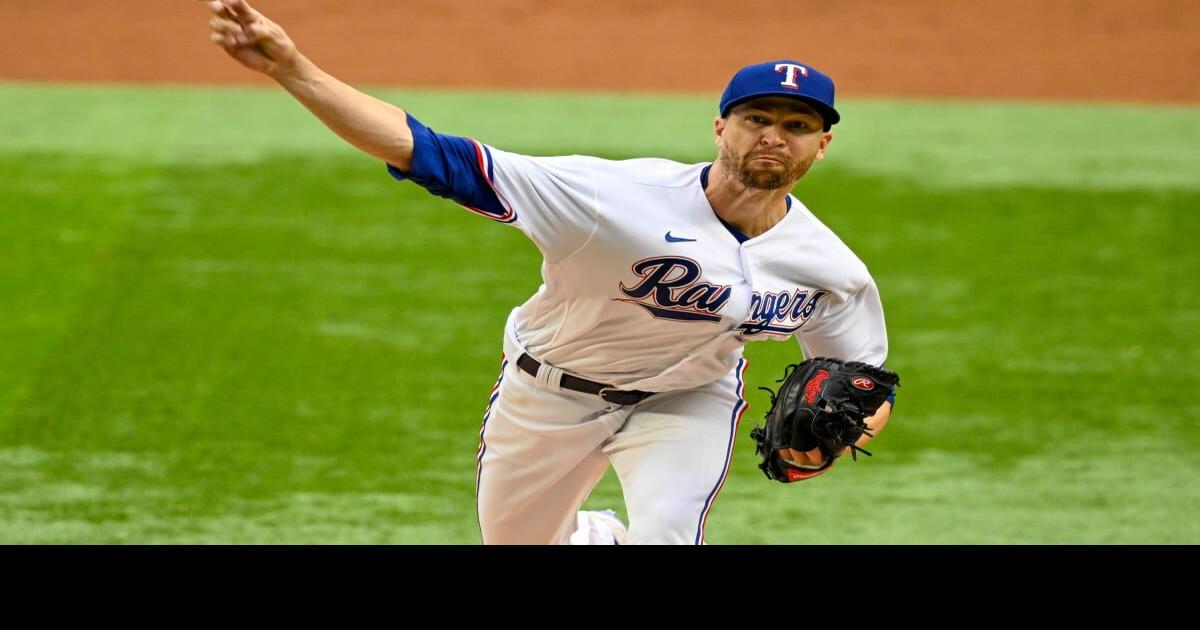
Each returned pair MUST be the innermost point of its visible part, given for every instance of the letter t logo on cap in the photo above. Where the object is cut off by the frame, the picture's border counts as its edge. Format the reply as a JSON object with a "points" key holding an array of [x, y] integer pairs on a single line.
{"points": [[791, 69]]}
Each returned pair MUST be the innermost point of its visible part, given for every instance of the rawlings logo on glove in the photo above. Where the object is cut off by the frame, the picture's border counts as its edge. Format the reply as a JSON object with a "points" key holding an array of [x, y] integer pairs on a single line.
{"points": [[811, 389], [822, 404]]}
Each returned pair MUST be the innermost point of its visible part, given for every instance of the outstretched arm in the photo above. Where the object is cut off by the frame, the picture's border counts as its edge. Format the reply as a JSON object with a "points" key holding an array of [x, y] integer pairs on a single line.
{"points": [[373, 126]]}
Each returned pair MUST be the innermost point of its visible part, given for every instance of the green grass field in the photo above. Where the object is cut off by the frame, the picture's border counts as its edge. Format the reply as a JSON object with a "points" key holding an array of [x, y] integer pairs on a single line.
{"points": [[220, 325]]}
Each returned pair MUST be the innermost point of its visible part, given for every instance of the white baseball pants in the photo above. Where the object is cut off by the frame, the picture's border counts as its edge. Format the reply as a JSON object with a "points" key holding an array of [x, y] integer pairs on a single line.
{"points": [[543, 449]]}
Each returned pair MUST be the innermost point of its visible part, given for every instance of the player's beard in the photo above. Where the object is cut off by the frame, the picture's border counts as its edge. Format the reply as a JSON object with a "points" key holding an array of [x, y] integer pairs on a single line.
{"points": [[764, 175]]}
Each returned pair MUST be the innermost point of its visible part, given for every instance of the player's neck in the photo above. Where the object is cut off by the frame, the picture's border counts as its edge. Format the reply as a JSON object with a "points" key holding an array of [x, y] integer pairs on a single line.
{"points": [[751, 210]]}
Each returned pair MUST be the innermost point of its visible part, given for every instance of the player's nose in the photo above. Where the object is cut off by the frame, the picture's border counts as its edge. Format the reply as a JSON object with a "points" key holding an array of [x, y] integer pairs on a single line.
{"points": [[772, 136]]}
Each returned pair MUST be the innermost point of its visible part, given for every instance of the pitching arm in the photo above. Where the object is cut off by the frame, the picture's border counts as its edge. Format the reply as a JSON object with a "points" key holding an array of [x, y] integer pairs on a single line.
{"points": [[373, 126]]}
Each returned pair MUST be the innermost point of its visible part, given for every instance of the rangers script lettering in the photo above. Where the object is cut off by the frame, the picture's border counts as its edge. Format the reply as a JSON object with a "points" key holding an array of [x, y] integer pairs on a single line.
{"points": [[781, 313], [679, 297]]}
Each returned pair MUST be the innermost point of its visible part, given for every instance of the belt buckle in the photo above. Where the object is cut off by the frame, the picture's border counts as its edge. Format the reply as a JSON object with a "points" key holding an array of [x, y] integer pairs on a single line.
{"points": [[603, 394]]}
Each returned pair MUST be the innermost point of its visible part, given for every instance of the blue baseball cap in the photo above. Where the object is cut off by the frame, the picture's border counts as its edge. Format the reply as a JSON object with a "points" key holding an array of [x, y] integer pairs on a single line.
{"points": [[782, 78]]}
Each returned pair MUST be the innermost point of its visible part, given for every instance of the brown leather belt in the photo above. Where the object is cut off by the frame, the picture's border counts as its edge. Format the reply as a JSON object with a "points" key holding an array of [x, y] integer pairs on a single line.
{"points": [[574, 383]]}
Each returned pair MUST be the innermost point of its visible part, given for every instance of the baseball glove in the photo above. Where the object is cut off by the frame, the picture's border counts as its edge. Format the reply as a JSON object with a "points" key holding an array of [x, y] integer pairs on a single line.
{"points": [[823, 403]]}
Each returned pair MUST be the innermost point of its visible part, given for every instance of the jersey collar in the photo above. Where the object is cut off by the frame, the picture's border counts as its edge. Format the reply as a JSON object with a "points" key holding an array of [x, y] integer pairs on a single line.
{"points": [[741, 238]]}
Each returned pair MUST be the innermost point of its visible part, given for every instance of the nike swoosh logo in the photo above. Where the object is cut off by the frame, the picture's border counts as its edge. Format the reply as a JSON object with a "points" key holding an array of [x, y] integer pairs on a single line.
{"points": [[677, 239]]}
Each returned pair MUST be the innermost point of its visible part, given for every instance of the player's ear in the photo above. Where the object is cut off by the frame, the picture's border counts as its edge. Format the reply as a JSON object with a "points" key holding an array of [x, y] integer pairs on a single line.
{"points": [[826, 139], [718, 128]]}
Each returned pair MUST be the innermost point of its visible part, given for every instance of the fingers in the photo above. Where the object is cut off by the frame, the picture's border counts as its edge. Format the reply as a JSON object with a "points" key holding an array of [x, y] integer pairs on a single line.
{"points": [[803, 458], [238, 11], [230, 33], [224, 41], [227, 33], [225, 27], [220, 9], [243, 12]]}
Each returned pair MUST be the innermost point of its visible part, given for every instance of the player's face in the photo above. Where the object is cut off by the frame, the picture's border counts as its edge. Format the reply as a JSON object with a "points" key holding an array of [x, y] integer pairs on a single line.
{"points": [[771, 142]]}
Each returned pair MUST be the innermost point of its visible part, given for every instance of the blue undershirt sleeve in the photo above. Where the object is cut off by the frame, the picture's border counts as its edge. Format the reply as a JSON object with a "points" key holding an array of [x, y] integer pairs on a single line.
{"points": [[459, 169]]}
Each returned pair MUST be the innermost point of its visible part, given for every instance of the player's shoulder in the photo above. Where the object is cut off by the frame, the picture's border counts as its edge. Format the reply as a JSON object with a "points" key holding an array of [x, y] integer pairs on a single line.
{"points": [[654, 172], [825, 244], [659, 172]]}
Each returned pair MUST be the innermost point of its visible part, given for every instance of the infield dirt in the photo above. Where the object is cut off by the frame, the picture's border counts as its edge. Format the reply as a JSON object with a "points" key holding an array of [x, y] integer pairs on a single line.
{"points": [[1014, 49]]}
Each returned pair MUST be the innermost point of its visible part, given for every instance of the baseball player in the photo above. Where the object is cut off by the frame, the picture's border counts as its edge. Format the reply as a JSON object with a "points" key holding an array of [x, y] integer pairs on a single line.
{"points": [[655, 275]]}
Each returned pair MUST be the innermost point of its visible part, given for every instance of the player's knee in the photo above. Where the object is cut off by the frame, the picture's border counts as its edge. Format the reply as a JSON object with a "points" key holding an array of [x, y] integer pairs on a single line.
{"points": [[499, 532], [664, 522], [508, 536], [495, 528], [498, 525]]}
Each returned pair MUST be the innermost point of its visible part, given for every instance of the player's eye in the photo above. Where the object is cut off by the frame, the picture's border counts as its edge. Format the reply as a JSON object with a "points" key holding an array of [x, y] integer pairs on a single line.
{"points": [[799, 124], [758, 120]]}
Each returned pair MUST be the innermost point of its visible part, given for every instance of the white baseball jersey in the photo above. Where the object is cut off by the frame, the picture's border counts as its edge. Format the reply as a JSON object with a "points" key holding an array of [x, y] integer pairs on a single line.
{"points": [[644, 287]]}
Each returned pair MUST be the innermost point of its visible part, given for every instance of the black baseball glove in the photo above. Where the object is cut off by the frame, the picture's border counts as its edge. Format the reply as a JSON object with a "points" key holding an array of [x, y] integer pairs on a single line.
{"points": [[823, 403]]}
